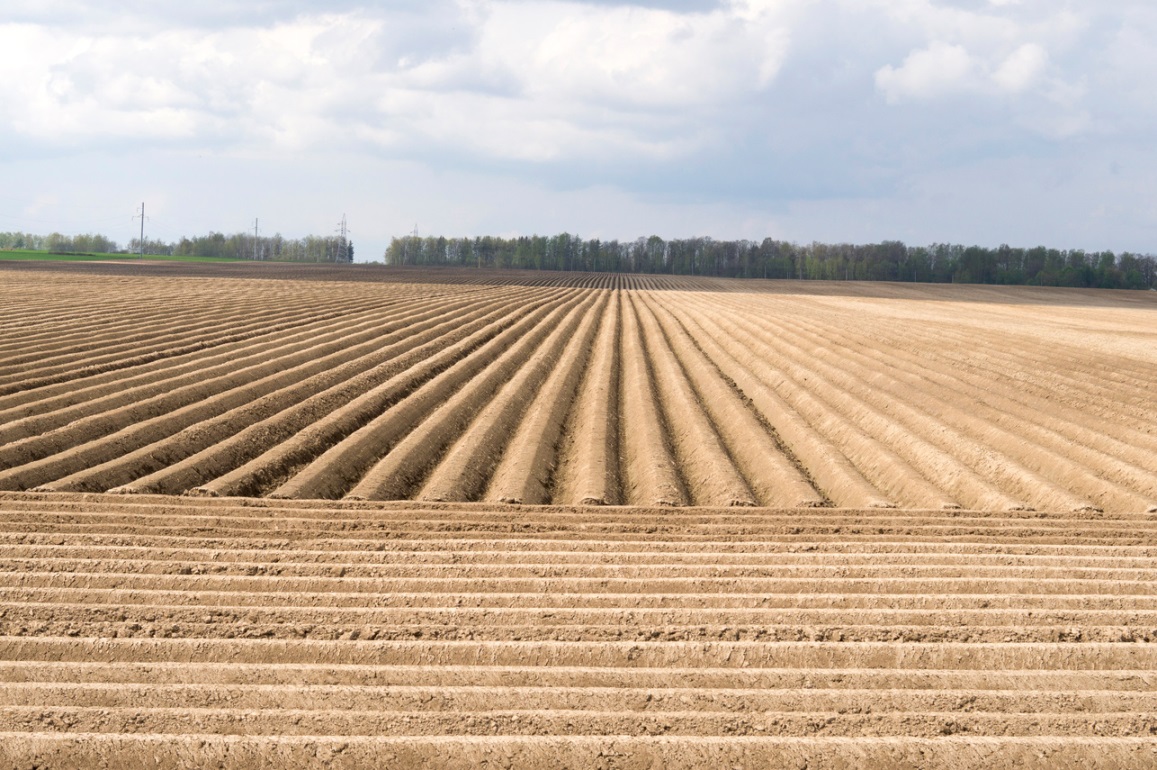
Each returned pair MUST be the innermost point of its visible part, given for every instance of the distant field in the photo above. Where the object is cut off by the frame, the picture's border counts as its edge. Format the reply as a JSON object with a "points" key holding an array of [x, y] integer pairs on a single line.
{"points": [[576, 389], [45, 256]]}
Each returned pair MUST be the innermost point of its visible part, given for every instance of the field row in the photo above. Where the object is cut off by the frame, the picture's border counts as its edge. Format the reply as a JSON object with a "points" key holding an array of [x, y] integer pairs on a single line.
{"points": [[142, 629], [369, 274], [782, 397]]}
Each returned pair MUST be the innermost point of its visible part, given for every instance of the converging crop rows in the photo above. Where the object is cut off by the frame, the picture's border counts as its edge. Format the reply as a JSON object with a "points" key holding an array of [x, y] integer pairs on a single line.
{"points": [[579, 390]]}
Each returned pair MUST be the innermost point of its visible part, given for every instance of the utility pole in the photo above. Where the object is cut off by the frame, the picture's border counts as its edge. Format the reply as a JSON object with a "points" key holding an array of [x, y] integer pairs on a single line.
{"points": [[142, 218], [256, 256], [343, 241]]}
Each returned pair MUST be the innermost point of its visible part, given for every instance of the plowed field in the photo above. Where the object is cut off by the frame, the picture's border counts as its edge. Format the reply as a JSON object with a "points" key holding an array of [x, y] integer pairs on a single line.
{"points": [[158, 631], [578, 389], [396, 518]]}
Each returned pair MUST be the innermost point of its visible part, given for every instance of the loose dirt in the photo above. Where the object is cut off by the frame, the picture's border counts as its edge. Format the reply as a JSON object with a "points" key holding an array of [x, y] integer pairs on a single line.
{"points": [[146, 630], [448, 518], [464, 385]]}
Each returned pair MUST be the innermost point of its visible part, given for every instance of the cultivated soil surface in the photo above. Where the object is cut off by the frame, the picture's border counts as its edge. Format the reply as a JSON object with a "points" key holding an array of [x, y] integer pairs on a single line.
{"points": [[273, 516], [138, 632], [547, 388]]}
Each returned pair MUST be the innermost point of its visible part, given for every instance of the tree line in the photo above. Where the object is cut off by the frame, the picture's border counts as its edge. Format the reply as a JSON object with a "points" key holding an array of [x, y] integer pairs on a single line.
{"points": [[770, 258], [59, 244], [311, 248]]}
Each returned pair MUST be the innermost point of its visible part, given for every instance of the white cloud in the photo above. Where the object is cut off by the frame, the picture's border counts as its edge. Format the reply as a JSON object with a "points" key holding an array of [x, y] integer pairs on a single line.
{"points": [[582, 81], [631, 57], [942, 69], [930, 72], [530, 80], [1022, 69]]}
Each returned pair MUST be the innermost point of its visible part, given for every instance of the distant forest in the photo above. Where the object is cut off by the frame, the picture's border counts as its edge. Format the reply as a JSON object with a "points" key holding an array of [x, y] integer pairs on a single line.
{"points": [[769, 258], [887, 261], [311, 248]]}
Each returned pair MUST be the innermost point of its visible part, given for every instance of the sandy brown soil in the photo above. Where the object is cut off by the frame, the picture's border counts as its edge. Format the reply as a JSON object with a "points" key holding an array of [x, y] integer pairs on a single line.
{"points": [[564, 389], [144, 631], [375, 518]]}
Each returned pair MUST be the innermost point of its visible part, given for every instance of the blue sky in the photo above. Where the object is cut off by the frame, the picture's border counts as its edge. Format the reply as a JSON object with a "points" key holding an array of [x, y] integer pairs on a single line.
{"points": [[977, 121]]}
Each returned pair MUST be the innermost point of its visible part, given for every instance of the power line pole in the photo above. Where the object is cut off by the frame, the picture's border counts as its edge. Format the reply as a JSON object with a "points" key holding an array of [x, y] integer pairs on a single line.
{"points": [[343, 241], [142, 218], [255, 241]]}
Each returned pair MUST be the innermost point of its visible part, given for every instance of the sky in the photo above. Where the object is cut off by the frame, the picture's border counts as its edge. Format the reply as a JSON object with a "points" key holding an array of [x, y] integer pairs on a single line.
{"points": [[1025, 122]]}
